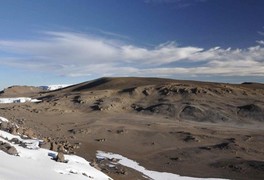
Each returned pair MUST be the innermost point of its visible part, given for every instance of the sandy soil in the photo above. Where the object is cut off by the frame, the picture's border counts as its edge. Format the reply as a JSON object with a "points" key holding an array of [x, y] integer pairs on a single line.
{"points": [[184, 127]]}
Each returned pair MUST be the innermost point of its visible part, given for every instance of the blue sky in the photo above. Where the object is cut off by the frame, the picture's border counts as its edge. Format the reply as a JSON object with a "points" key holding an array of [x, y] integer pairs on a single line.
{"points": [[66, 41]]}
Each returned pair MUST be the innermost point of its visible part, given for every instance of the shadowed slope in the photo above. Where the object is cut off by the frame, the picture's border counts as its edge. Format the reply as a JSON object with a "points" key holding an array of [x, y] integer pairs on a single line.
{"points": [[176, 99]]}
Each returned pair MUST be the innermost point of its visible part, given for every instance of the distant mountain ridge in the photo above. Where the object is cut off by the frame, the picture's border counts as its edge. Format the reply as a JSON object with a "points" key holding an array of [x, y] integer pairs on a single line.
{"points": [[175, 99], [13, 91]]}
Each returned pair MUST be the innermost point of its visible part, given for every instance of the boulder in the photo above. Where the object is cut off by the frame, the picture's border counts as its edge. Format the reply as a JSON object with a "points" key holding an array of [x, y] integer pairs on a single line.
{"points": [[12, 151], [45, 145], [20, 130], [28, 132], [54, 146], [60, 157], [4, 125], [6, 147], [15, 140], [61, 148], [13, 130]]}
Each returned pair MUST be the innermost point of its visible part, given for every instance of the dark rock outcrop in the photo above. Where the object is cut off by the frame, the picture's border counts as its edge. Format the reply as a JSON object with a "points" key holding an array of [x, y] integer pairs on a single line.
{"points": [[251, 111], [6, 147]]}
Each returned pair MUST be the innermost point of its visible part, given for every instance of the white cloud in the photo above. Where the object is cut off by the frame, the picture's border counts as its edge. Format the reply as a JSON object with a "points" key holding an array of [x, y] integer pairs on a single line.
{"points": [[261, 42], [74, 54], [160, 55]]}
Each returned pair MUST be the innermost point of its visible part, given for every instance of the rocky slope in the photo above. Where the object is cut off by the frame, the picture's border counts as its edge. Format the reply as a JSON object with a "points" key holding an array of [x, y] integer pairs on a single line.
{"points": [[180, 100], [190, 128]]}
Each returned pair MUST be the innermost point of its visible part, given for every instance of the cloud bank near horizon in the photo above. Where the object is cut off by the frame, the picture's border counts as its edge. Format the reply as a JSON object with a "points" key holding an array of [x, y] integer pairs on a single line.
{"points": [[76, 54]]}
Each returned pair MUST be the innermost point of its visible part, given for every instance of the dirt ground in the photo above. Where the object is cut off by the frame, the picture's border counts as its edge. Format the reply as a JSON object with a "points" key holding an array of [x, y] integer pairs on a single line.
{"points": [[183, 127]]}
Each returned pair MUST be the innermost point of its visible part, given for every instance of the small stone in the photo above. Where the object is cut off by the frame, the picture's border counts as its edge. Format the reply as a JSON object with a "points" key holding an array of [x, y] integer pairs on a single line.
{"points": [[47, 139], [85, 174], [114, 160], [120, 131], [175, 158], [60, 157], [95, 165], [100, 140]]}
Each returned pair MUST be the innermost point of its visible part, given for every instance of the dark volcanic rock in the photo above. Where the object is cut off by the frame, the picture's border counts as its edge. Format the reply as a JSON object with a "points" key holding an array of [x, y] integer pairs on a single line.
{"points": [[167, 109], [15, 140], [251, 111], [160, 108], [241, 166], [192, 112]]}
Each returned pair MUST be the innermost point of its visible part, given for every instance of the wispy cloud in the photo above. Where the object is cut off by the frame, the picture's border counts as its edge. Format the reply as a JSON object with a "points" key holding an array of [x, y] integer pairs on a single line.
{"points": [[261, 32], [107, 33], [75, 54], [261, 42]]}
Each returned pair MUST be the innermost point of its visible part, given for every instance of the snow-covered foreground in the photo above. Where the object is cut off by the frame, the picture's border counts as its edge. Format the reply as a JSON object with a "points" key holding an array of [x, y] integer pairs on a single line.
{"points": [[148, 173], [54, 87], [36, 163], [17, 100]]}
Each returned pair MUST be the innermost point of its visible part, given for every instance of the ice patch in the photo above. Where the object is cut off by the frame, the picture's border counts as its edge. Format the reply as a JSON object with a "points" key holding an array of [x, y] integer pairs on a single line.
{"points": [[148, 173]]}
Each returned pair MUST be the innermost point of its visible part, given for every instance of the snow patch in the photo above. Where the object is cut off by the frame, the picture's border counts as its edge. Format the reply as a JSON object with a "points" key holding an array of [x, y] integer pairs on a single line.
{"points": [[148, 173], [18, 100], [3, 119], [37, 163], [54, 87]]}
